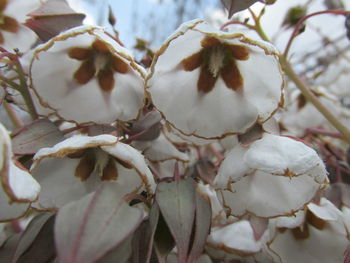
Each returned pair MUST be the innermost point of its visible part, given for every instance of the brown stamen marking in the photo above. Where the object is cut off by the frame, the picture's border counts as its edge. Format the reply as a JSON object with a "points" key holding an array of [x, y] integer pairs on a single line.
{"points": [[110, 172], [124, 163], [314, 220], [2, 40], [77, 154], [206, 81], [193, 62], [80, 53], [100, 62], [106, 79], [209, 42], [3, 4], [301, 101], [119, 65], [239, 52], [9, 24], [85, 72], [217, 58], [232, 76], [301, 233], [100, 46], [85, 167]]}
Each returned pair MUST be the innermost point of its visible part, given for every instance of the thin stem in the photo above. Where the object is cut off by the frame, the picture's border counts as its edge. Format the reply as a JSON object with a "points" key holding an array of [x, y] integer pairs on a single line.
{"points": [[25, 91], [16, 121], [288, 70], [235, 22], [313, 99], [302, 20]]}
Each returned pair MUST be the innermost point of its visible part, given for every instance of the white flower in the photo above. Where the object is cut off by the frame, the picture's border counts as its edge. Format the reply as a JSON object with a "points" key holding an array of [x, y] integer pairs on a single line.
{"points": [[13, 34], [210, 83], [79, 164], [270, 177], [17, 187], [84, 76], [321, 238]]}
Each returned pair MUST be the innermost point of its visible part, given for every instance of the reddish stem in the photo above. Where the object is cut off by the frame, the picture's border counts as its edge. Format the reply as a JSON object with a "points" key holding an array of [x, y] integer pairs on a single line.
{"points": [[302, 20]]}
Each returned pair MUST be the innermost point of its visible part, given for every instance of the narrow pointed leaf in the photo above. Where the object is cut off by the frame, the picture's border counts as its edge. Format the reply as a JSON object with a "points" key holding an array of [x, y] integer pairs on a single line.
{"points": [[88, 229], [42, 248], [143, 240], [38, 134], [120, 254], [201, 228], [53, 17], [176, 201]]}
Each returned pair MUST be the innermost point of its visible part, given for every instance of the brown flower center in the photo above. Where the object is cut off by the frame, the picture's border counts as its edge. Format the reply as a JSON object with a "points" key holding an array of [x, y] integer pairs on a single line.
{"points": [[99, 62], [7, 23], [95, 160], [217, 59]]}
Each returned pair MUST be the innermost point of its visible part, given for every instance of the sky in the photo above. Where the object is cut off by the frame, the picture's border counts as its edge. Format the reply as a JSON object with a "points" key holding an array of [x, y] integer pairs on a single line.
{"points": [[155, 20]]}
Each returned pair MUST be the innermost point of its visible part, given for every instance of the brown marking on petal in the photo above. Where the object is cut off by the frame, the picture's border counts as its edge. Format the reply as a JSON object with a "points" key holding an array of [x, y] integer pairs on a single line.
{"points": [[206, 80], [210, 42], [239, 52], [100, 45], [106, 79], [9, 24], [314, 220], [301, 233], [231, 76], [301, 101], [80, 53], [77, 154], [85, 167], [110, 172], [119, 65], [281, 229], [2, 40], [289, 173], [192, 62], [85, 72], [3, 4], [124, 163]]}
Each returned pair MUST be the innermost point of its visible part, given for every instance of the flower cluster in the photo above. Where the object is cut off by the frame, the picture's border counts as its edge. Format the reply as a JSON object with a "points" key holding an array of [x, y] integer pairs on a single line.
{"points": [[184, 159]]}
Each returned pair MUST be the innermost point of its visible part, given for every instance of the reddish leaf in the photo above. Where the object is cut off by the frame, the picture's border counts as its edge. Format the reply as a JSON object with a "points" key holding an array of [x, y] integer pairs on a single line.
{"points": [[36, 244], [176, 201], [53, 17], [143, 238], [38, 134], [147, 127], [202, 227], [121, 254], [234, 6], [89, 229]]}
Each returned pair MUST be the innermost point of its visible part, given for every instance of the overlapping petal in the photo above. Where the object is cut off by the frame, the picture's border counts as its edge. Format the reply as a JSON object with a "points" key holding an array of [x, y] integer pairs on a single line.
{"points": [[79, 164], [270, 177], [17, 187], [210, 83], [90, 77], [321, 238]]}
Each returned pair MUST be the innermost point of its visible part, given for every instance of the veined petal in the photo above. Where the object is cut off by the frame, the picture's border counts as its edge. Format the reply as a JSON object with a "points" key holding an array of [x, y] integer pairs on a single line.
{"points": [[94, 79], [273, 176], [209, 84]]}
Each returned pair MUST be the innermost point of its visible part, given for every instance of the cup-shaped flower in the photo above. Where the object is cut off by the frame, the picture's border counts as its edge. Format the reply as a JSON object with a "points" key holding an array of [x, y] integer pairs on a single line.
{"points": [[273, 176], [323, 236], [13, 34], [17, 187], [211, 83], [77, 165], [236, 242], [85, 76]]}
